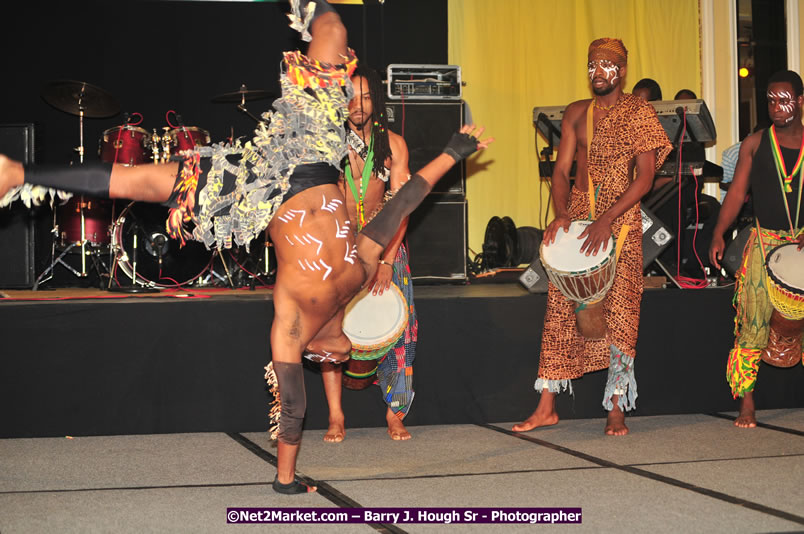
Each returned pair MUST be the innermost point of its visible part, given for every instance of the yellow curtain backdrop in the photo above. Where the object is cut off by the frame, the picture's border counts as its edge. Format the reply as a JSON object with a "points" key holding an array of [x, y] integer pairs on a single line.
{"points": [[519, 54]]}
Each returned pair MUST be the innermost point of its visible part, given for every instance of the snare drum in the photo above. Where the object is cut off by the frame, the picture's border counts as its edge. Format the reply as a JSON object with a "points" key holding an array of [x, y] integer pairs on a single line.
{"points": [[374, 324], [581, 278], [784, 269], [157, 260], [127, 145], [186, 138]]}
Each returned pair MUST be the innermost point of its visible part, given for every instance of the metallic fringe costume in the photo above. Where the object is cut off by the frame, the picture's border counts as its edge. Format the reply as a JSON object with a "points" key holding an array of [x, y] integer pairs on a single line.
{"points": [[306, 127], [629, 129], [395, 372], [754, 309]]}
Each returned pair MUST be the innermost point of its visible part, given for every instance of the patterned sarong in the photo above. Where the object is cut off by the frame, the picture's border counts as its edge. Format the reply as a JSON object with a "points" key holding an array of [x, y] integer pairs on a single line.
{"points": [[395, 372]]}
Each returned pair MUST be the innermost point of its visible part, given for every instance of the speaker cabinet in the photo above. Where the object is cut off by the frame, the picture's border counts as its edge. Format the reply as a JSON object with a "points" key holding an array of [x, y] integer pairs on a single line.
{"points": [[21, 255], [436, 239], [426, 128], [655, 237]]}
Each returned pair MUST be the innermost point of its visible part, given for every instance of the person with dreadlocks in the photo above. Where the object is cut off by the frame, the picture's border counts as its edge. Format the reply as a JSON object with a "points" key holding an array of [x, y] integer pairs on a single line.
{"points": [[610, 136], [768, 163], [285, 180], [377, 163]]}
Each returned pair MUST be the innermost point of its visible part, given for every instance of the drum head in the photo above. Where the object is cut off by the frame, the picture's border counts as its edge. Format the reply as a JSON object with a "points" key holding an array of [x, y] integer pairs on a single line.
{"points": [[373, 320], [786, 266], [160, 261], [564, 254]]}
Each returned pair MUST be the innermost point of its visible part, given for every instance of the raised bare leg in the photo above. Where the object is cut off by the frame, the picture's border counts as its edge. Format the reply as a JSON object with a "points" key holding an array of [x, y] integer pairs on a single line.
{"points": [[747, 417], [615, 422], [544, 415]]}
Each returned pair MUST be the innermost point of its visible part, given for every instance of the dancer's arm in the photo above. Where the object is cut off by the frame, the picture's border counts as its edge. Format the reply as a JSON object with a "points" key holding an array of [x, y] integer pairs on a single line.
{"points": [[735, 197]]}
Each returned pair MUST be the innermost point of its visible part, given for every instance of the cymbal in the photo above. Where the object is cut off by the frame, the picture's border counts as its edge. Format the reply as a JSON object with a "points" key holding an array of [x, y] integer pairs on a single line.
{"points": [[243, 95], [74, 97]]}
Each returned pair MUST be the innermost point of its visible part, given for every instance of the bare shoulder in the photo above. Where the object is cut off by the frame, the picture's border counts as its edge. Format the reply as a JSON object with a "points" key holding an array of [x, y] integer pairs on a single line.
{"points": [[575, 110], [396, 141], [751, 143]]}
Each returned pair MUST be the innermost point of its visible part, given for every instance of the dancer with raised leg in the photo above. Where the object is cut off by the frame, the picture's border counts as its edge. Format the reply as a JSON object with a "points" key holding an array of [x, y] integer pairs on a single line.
{"points": [[284, 180]]}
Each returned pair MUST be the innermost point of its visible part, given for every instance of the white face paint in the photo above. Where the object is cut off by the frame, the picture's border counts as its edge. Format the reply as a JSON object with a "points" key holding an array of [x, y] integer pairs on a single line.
{"points": [[785, 101], [610, 70]]}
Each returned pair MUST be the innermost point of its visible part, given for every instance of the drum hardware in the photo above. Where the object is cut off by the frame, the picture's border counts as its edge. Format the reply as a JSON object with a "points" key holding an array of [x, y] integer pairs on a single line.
{"points": [[84, 100], [145, 255], [241, 96]]}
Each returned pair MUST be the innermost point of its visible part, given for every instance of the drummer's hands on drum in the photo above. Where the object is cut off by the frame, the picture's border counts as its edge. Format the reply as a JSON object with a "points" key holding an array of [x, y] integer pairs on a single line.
{"points": [[801, 241], [382, 278], [562, 221], [716, 250], [597, 236]]}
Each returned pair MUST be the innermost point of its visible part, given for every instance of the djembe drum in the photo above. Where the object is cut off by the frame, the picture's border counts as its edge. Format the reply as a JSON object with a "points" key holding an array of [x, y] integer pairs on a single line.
{"points": [[374, 324], [784, 270], [581, 278]]}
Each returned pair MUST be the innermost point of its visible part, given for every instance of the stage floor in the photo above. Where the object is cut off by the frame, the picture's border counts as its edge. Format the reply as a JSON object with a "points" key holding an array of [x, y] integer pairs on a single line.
{"points": [[673, 473], [87, 362]]}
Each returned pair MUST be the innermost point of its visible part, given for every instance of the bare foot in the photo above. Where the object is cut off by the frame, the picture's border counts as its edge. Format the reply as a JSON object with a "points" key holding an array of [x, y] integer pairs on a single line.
{"points": [[747, 417], [615, 422], [396, 429], [336, 431], [11, 174], [544, 415]]}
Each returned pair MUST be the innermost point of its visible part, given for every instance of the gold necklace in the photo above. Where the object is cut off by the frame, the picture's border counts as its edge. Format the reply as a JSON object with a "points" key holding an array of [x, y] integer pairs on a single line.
{"points": [[605, 108]]}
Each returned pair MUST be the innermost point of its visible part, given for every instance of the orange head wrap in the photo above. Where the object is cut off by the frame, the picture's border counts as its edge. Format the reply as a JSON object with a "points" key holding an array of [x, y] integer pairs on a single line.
{"points": [[611, 49]]}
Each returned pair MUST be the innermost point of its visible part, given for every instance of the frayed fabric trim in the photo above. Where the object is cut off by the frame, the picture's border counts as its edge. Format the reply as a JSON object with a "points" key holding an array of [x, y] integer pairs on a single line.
{"points": [[621, 381], [553, 386]]}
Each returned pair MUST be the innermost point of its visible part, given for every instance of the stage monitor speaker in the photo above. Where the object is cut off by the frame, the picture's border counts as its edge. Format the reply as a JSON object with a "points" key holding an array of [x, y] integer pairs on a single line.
{"points": [[19, 225], [534, 278], [655, 237], [427, 127], [437, 241]]}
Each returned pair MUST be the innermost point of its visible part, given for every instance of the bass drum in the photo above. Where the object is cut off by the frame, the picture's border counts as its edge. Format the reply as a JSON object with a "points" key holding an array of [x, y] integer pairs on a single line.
{"points": [[141, 243]]}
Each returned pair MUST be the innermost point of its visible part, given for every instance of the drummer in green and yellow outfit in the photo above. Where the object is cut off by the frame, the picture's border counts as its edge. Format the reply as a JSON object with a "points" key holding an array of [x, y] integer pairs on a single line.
{"points": [[770, 164]]}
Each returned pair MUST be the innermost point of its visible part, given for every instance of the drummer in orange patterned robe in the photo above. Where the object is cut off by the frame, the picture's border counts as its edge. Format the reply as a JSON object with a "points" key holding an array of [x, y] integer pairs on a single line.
{"points": [[627, 138]]}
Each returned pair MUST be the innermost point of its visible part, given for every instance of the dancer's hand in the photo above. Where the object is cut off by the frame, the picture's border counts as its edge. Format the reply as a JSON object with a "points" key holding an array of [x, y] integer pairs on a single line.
{"points": [[597, 236], [466, 142], [552, 228]]}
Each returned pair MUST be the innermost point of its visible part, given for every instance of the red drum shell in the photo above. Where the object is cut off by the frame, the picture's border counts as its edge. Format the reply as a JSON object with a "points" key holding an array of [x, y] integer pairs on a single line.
{"points": [[127, 145], [97, 220], [186, 138]]}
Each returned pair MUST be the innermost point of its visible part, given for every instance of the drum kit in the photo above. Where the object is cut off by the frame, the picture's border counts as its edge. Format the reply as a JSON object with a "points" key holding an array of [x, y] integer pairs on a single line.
{"points": [[135, 239]]}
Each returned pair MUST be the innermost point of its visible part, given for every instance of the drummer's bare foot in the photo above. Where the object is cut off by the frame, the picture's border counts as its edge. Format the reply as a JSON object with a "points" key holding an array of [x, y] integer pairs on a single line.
{"points": [[544, 415], [396, 429], [11, 174], [615, 422], [336, 432], [747, 417]]}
